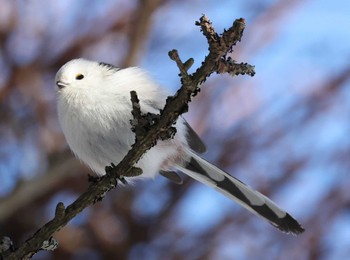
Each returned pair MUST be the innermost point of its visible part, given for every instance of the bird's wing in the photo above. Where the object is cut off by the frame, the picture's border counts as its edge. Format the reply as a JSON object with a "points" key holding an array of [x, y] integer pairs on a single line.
{"points": [[194, 141], [172, 176]]}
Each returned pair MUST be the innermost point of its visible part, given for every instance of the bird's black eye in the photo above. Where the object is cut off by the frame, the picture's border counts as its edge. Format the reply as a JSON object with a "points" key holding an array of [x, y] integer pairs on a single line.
{"points": [[79, 76]]}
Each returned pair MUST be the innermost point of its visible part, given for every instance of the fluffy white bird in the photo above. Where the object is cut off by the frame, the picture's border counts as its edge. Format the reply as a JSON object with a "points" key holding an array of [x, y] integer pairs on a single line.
{"points": [[94, 111]]}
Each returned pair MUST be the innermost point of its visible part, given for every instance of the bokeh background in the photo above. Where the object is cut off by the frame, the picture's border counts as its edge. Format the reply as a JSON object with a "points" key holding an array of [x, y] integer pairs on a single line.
{"points": [[285, 131]]}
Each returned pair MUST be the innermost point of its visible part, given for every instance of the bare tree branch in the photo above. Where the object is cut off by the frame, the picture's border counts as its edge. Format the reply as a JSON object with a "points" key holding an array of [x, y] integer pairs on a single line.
{"points": [[219, 46]]}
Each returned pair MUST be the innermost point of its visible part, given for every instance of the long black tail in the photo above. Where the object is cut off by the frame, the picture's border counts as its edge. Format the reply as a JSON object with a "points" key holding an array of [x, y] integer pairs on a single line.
{"points": [[203, 171]]}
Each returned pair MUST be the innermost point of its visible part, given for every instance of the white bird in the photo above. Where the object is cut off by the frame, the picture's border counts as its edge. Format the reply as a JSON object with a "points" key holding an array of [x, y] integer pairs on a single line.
{"points": [[94, 111]]}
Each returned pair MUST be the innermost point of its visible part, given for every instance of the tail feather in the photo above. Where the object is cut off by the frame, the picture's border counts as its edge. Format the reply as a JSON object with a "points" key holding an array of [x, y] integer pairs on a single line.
{"points": [[254, 201]]}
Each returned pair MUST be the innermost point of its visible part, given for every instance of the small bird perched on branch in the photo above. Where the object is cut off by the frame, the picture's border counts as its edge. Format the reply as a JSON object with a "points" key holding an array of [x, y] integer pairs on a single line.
{"points": [[94, 111]]}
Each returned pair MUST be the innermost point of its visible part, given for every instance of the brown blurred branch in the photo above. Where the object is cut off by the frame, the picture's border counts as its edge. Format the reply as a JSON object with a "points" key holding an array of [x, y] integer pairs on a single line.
{"points": [[139, 29], [33, 189], [219, 46]]}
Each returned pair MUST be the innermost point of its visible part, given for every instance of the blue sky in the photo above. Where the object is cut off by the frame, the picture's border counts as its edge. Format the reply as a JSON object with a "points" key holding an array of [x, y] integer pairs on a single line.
{"points": [[295, 51]]}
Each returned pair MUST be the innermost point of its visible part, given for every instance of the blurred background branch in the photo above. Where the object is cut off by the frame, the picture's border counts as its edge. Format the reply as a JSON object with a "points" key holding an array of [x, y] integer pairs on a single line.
{"points": [[139, 30]]}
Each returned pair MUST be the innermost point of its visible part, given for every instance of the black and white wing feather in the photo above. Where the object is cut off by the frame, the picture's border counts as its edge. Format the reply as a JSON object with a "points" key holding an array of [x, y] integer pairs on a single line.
{"points": [[194, 141]]}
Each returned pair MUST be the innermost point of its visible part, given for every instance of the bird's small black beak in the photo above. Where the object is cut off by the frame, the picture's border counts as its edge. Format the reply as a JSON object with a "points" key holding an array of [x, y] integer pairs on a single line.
{"points": [[61, 84]]}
